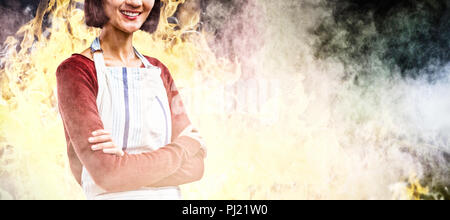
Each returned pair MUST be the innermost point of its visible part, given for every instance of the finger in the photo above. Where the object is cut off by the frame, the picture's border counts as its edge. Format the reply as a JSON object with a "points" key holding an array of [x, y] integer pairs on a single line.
{"points": [[103, 146], [100, 139], [116, 151], [100, 132]]}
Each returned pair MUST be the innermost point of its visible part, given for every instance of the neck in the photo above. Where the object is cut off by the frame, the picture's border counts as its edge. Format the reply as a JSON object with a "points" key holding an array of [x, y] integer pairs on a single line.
{"points": [[116, 44]]}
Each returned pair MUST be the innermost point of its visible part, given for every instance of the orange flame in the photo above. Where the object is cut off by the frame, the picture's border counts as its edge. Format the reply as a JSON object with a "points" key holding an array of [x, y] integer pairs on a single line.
{"points": [[32, 138]]}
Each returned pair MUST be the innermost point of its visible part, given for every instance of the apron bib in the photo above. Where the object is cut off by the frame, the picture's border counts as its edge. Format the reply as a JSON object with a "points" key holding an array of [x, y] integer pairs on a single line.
{"points": [[133, 105]]}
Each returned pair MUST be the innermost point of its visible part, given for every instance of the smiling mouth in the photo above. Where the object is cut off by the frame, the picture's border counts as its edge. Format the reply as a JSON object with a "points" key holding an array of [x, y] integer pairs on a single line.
{"points": [[130, 14]]}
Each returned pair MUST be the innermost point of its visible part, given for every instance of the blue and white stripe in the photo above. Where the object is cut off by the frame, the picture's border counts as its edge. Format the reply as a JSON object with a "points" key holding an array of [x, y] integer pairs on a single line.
{"points": [[133, 106]]}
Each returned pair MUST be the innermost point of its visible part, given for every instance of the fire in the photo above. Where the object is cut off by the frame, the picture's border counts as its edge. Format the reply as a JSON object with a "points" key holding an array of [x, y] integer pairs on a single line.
{"points": [[415, 189], [33, 142], [266, 140]]}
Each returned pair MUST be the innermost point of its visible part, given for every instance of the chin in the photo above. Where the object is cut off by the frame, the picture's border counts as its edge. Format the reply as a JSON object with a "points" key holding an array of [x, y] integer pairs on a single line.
{"points": [[129, 29]]}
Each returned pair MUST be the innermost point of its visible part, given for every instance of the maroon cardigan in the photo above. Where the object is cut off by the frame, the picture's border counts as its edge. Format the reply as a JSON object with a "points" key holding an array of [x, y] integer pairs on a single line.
{"points": [[179, 162]]}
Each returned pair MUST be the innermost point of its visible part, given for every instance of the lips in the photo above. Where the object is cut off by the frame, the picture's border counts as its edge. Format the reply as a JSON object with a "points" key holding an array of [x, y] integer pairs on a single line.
{"points": [[131, 15]]}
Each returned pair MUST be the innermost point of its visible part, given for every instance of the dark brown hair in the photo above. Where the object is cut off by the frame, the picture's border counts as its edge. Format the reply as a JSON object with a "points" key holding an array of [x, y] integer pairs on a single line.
{"points": [[95, 15]]}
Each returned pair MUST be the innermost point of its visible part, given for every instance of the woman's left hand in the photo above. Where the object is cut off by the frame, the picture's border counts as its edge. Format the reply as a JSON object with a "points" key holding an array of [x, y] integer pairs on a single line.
{"points": [[102, 141]]}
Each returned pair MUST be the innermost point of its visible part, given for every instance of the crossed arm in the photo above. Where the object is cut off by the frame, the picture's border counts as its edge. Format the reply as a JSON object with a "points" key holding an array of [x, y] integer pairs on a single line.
{"points": [[179, 162], [191, 170]]}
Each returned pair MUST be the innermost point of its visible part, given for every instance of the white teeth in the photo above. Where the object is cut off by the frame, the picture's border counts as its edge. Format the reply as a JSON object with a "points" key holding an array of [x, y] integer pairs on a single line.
{"points": [[131, 14]]}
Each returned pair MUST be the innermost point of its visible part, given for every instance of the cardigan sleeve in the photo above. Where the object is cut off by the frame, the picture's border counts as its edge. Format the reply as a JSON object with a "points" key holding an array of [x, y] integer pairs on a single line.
{"points": [[77, 106]]}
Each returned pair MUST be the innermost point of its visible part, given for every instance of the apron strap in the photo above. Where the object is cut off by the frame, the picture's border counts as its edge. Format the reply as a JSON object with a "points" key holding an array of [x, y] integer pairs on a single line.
{"points": [[100, 61], [97, 52], [143, 59]]}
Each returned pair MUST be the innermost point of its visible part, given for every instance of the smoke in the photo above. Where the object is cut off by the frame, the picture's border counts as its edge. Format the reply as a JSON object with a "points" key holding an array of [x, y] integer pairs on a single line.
{"points": [[409, 37], [13, 15], [362, 105], [396, 56], [299, 100]]}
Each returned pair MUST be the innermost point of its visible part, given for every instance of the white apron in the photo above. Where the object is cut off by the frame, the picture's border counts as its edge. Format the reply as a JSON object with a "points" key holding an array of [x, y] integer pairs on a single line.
{"points": [[133, 106]]}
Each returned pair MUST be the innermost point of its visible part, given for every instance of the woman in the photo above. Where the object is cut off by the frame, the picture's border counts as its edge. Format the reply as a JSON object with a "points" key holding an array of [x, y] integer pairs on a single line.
{"points": [[128, 136]]}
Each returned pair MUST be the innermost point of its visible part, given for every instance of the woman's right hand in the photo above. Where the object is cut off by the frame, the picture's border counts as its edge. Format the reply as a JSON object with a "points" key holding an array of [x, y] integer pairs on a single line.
{"points": [[102, 140]]}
